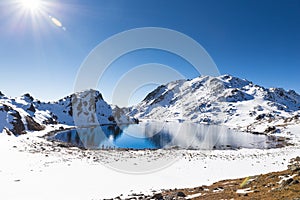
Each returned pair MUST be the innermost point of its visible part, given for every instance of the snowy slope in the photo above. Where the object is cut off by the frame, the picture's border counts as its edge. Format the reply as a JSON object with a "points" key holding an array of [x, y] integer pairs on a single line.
{"points": [[86, 107], [224, 100], [17, 116], [23, 114]]}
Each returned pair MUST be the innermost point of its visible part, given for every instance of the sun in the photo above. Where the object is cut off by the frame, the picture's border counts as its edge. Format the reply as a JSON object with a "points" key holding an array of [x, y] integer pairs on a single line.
{"points": [[32, 5], [38, 11]]}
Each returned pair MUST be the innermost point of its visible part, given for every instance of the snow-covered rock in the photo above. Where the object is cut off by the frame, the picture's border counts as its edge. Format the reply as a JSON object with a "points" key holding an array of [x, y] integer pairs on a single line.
{"points": [[81, 109], [17, 120], [87, 108], [225, 100]]}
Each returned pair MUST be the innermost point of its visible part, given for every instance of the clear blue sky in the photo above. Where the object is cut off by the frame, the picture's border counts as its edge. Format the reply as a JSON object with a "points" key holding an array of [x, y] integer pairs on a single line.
{"points": [[254, 39]]}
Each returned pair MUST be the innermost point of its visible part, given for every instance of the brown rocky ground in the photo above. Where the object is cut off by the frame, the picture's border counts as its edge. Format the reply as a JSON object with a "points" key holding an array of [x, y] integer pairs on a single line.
{"points": [[276, 185], [283, 185]]}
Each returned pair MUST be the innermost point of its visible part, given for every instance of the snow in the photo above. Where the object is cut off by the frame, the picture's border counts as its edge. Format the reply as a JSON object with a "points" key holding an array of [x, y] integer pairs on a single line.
{"points": [[193, 196], [33, 168], [244, 191], [65, 175], [285, 178], [87, 107], [223, 100]]}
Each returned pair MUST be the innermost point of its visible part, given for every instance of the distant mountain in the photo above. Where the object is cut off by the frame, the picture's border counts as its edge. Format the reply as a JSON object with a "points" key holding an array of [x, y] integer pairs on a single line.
{"points": [[224, 100], [19, 115], [22, 114]]}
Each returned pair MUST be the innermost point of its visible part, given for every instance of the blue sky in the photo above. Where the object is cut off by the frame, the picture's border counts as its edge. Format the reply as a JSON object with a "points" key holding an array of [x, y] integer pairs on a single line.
{"points": [[254, 39]]}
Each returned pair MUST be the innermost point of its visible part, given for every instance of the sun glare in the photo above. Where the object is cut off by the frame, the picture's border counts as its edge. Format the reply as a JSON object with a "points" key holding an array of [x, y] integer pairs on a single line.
{"points": [[32, 5], [38, 11]]}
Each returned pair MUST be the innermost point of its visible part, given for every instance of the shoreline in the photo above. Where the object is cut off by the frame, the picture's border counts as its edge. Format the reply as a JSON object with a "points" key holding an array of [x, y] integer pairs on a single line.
{"points": [[279, 140], [27, 158], [271, 186]]}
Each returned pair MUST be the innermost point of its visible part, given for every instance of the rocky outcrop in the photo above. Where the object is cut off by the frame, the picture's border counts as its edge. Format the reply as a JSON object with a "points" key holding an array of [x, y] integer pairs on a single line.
{"points": [[86, 108], [276, 186], [223, 100], [33, 125], [16, 121], [18, 125]]}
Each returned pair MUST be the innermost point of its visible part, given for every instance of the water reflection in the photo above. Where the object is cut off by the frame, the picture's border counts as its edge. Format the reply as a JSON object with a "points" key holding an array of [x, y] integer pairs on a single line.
{"points": [[163, 135]]}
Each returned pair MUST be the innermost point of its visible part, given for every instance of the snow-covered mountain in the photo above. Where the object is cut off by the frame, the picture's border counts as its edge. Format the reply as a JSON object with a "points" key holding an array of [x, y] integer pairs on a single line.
{"points": [[225, 100], [88, 108], [19, 115], [22, 114]]}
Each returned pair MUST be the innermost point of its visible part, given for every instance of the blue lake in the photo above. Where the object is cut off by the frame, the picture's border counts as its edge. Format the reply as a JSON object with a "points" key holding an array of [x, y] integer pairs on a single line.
{"points": [[154, 135]]}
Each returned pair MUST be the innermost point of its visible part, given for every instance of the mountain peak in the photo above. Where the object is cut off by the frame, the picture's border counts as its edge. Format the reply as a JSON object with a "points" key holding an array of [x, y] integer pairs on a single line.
{"points": [[27, 97], [225, 100], [91, 92], [220, 100]]}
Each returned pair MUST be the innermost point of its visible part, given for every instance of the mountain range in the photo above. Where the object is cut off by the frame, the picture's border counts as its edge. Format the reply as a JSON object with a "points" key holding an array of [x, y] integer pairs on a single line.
{"points": [[224, 100]]}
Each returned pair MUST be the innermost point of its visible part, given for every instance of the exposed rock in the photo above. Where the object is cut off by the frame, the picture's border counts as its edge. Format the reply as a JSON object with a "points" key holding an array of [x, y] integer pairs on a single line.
{"points": [[295, 182], [158, 196], [50, 121], [8, 132], [31, 108], [215, 100], [120, 116], [287, 182], [271, 129], [18, 126], [13, 120], [180, 194], [235, 95], [265, 186], [28, 96], [33, 125], [260, 117], [295, 165]]}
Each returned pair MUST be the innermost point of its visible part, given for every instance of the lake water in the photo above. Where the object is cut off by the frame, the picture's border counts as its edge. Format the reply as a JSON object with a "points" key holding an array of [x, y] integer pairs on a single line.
{"points": [[153, 135]]}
